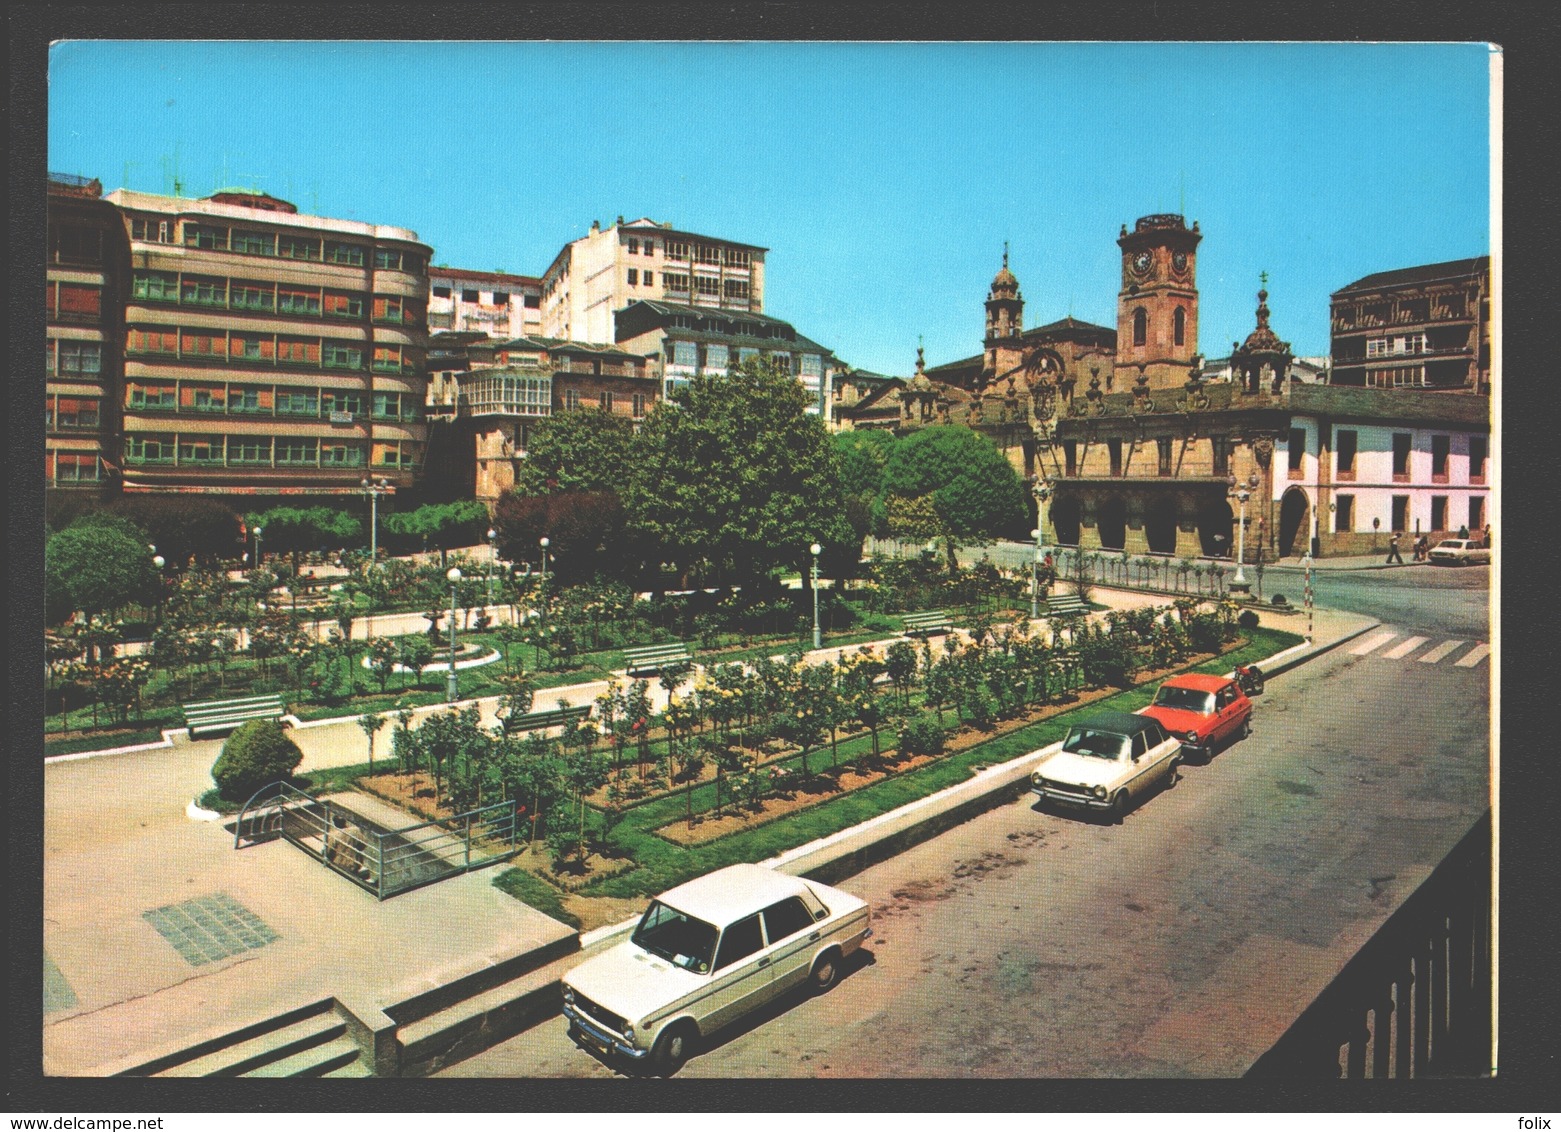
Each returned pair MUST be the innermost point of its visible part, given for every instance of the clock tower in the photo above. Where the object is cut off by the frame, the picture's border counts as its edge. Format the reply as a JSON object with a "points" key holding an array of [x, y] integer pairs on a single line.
{"points": [[1157, 307]]}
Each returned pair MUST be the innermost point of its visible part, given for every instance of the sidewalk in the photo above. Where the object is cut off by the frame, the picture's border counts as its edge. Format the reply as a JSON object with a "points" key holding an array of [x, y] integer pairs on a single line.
{"points": [[119, 849]]}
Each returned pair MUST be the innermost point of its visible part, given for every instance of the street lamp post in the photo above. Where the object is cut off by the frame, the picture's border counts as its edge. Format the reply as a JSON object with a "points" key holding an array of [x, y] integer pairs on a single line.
{"points": [[1043, 492], [374, 488], [817, 637], [258, 532], [158, 562], [452, 684], [544, 543], [493, 554], [1242, 493], [1035, 576]]}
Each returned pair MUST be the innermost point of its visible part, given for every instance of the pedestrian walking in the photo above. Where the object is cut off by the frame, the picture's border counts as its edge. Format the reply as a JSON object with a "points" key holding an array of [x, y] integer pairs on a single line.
{"points": [[1422, 548], [1393, 554], [1487, 536]]}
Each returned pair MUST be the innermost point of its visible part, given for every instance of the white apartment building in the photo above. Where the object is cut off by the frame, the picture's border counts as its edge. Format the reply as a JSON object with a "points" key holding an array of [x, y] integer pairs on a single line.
{"points": [[1357, 465], [502, 305], [601, 273]]}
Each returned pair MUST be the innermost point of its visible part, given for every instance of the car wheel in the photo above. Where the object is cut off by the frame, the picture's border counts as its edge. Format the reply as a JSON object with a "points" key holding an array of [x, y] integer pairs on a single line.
{"points": [[672, 1049], [1119, 806], [826, 972], [1174, 775], [1246, 728]]}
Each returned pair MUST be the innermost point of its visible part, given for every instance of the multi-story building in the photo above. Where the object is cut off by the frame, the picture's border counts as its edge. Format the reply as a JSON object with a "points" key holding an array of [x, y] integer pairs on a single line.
{"points": [[88, 263], [683, 341], [269, 352], [493, 392], [504, 306], [596, 276], [1416, 328]]}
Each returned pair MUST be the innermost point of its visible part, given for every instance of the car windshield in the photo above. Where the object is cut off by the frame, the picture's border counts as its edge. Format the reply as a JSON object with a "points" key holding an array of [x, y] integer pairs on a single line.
{"points": [[1450, 544], [675, 937], [1091, 741], [1184, 699]]}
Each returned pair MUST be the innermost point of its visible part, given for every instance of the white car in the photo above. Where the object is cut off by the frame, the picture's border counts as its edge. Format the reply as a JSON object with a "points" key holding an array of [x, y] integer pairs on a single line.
{"points": [[1459, 552], [706, 953], [1107, 762]]}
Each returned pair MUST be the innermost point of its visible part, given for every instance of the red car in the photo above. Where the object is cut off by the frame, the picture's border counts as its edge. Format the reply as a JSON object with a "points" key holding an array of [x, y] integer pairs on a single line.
{"points": [[1204, 712]]}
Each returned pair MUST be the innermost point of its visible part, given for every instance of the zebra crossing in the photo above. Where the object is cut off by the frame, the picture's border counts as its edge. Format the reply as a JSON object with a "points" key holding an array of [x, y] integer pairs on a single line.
{"points": [[1404, 648]]}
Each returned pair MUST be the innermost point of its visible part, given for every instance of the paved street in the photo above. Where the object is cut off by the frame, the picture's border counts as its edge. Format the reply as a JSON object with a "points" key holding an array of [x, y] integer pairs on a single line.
{"points": [[1181, 943]]}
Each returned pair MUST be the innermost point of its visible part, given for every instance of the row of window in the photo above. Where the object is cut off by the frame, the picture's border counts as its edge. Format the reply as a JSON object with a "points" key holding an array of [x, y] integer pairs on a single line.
{"points": [[282, 298], [499, 299], [75, 243], [1347, 442], [1344, 514], [62, 411], [251, 241], [72, 467], [1395, 346], [1165, 450], [715, 358], [605, 400], [268, 400], [266, 451], [219, 345], [1399, 377], [75, 302], [1178, 326], [703, 253], [64, 357]]}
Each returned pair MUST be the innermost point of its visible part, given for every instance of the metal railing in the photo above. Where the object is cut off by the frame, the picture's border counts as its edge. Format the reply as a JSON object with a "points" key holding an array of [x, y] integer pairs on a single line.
{"points": [[383, 861], [1417, 999]]}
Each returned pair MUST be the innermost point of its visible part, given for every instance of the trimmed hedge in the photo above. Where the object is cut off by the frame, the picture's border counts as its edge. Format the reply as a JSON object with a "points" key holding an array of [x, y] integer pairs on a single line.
{"points": [[258, 753]]}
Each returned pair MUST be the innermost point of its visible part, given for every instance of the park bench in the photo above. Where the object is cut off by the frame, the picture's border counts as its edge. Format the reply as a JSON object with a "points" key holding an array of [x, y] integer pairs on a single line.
{"points": [[930, 623], [224, 715], [653, 658], [555, 717], [1065, 605]]}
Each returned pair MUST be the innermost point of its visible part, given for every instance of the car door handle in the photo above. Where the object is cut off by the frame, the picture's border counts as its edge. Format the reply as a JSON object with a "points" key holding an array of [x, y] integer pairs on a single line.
{"points": [[814, 936], [764, 963]]}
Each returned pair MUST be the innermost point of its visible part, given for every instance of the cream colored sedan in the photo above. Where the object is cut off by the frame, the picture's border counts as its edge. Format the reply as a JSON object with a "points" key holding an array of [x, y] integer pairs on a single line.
{"points": [[704, 954]]}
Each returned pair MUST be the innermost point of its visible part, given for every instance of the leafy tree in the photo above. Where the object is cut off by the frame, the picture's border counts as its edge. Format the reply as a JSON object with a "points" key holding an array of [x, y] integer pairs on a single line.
{"points": [[96, 568], [370, 724], [733, 477], [382, 660], [184, 526], [582, 451], [975, 494], [587, 532], [900, 664], [445, 525], [259, 752], [293, 530]]}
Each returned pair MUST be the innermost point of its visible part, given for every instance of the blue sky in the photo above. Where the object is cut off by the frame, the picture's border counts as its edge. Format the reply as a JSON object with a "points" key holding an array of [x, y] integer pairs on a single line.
{"points": [[883, 178]]}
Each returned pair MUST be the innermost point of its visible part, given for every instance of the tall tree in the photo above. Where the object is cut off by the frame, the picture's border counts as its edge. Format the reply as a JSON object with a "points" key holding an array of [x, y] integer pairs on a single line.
{"points": [[976, 495], [733, 476], [96, 568], [584, 450]]}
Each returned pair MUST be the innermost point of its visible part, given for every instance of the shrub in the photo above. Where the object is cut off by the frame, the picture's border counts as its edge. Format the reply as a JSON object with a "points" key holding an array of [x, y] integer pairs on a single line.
{"points": [[921, 736], [1247, 619], [1106, 659], [1205, 632], [1280, 599], [258, 753]]}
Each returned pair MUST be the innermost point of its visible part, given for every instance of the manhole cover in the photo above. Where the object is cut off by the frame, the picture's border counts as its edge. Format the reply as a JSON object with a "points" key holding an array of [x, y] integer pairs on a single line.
{"points": [[209, 928]]}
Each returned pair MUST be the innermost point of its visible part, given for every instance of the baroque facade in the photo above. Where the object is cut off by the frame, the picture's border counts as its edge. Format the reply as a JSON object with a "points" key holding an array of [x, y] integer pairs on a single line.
{"points": [[1132, 449]]}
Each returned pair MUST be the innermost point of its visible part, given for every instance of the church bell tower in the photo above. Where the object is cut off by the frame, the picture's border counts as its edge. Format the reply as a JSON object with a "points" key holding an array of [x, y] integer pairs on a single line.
{"points": [[1157, 307]]}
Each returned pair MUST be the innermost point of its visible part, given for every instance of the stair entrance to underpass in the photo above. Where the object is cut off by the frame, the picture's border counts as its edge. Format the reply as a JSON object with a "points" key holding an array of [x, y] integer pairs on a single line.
{"points": [[382, 860]]}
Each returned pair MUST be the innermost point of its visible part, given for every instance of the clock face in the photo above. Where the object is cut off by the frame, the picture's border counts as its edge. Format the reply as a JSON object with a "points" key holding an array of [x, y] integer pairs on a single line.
{"points": [[1141, 262], [1179, 262]]}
